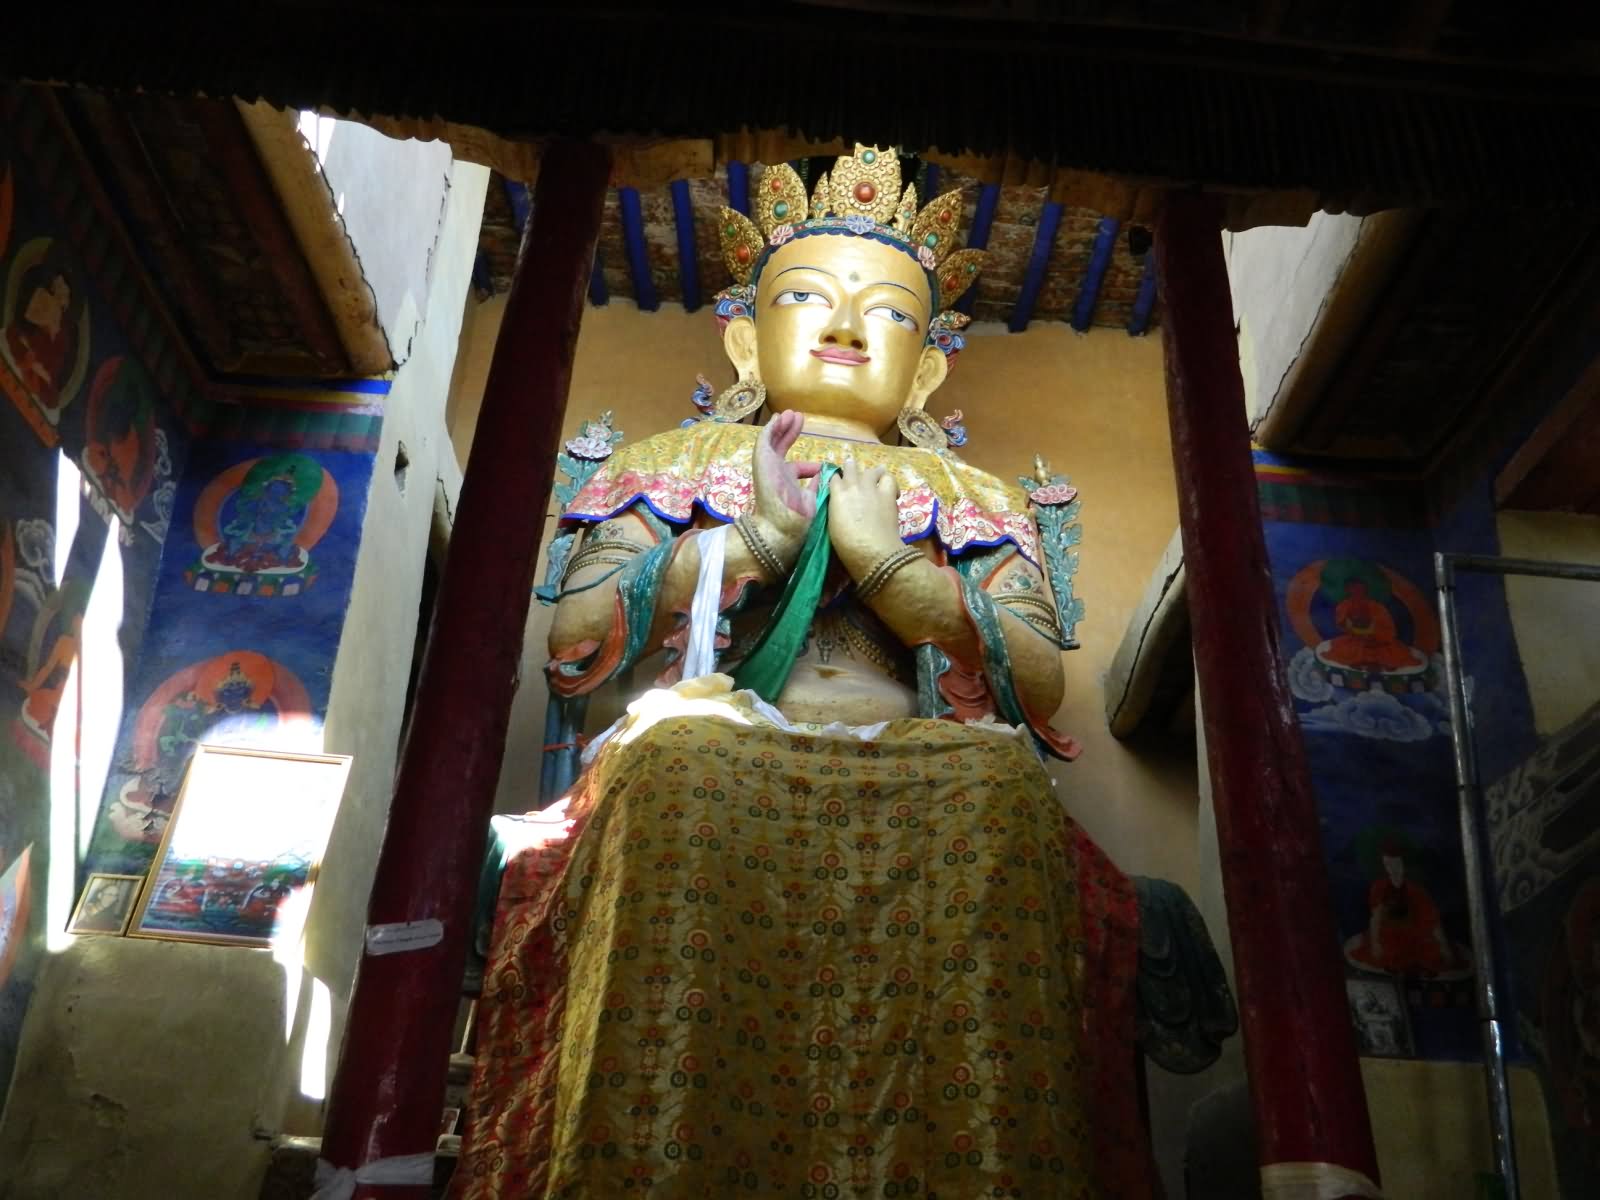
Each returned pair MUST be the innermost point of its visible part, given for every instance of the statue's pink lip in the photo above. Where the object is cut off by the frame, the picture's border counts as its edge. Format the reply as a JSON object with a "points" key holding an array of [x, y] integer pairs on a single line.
{"points": [[838, 354]]}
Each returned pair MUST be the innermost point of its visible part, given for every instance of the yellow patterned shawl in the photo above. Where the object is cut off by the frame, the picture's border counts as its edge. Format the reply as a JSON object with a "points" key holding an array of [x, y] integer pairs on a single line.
{"points": [[708, 464], [736, 960]]}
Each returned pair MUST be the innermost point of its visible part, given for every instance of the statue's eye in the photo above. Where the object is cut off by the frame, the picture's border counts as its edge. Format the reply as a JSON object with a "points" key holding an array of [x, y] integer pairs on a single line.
{"points": [[904, 320], [796, 297]]}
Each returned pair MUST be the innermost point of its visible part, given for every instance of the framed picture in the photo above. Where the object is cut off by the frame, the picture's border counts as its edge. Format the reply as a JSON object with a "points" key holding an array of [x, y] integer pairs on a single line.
{"points": [[106, 904], [239, 856], [1383, 1024]]}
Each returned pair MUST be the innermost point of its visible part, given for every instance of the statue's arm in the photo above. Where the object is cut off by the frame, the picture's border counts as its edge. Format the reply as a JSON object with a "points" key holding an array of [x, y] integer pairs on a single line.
{"points": [[924, 602], [586, 607], [587, 601], [1032, 630], [625, 592]]}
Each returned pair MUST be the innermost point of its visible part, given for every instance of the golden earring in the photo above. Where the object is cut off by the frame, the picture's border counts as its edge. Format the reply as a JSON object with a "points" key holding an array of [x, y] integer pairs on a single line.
{"points": [[739, 401], [918, 428]]}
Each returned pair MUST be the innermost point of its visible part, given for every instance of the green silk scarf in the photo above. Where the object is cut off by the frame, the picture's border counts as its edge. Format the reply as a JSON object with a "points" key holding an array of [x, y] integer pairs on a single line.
{"points": [[766, 669]]}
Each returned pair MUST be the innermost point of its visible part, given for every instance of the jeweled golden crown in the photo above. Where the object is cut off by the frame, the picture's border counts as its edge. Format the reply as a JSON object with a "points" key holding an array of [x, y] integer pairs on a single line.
{"points": [[860, 196]]}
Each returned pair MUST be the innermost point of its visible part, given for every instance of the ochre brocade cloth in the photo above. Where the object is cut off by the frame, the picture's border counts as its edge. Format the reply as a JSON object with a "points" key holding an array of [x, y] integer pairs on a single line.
{"points": [[764, 963]]}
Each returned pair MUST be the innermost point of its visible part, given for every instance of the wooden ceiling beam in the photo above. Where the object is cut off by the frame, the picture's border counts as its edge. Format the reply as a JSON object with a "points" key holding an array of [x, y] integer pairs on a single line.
{"points": [[688, 251], [644, 284], [978, 238], [1144, 301], [1105, 244], [1038, 262]]}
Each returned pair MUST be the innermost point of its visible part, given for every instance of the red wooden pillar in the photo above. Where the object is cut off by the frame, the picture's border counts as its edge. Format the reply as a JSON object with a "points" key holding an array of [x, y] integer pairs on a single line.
{"points": [[389, 1087], [1300, 1051]]}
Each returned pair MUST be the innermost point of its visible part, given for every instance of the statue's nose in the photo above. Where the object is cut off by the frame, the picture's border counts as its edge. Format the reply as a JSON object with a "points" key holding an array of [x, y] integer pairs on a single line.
{"points": [[845, 331]]}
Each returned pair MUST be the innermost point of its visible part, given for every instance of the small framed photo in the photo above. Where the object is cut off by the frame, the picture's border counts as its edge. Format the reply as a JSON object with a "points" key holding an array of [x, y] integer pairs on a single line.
{"points": [[240, 853], [1382, 1021], [106, 904]]}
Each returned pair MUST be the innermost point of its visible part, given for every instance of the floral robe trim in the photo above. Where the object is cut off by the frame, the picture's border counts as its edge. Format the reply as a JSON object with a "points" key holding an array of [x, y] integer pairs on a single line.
{"points": [[706, 465]]}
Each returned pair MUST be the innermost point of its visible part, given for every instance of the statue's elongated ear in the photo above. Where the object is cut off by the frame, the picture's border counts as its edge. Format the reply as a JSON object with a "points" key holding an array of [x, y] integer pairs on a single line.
{"points": [[739, 340], [932, 368]]}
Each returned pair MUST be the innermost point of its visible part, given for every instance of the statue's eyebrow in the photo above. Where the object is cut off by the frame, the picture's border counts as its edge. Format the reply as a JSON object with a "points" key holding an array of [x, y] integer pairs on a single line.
{"points": [[804, 267], [901, 286]]}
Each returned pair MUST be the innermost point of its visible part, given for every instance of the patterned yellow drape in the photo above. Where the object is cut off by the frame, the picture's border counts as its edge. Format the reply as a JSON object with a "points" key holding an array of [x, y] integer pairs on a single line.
{"points": [[771, 963]]}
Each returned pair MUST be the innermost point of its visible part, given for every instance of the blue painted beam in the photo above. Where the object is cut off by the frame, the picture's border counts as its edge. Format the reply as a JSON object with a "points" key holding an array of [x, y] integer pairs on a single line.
{"points": [[930, 181], [1105, 242], [739, 187], [644, 287], [1144, 301], [1043, 239], [521, 203], [978, 239], [599, 294], [688, 256], [482, 277]]}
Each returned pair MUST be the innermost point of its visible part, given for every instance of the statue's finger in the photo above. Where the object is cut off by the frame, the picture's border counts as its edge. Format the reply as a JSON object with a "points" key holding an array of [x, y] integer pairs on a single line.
{"points": [[784, 430]]}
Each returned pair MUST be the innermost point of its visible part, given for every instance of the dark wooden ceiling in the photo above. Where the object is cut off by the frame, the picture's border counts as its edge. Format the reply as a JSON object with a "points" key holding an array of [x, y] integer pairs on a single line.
{"points": [[211, 233], [1366, 103], [1450, 333]]}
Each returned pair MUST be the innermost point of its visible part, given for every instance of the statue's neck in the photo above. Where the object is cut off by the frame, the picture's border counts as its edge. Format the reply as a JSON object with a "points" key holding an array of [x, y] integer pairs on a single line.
{"points": [[840, 427]]}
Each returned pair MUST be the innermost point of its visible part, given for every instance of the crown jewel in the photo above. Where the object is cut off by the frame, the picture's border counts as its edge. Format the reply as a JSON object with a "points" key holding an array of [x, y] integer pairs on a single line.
{"points": [[861, 195]]}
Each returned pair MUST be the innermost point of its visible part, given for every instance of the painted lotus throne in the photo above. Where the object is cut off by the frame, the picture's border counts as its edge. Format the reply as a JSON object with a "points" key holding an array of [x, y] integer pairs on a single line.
{"points": [[810, 919]]}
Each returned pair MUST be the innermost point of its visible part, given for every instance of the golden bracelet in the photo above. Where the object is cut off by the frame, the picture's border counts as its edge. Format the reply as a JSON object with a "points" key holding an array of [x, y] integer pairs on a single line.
{"points": [[592, 552], [759, 550], [1050, 616], [611, 544], [609, 560], [879, 576]]}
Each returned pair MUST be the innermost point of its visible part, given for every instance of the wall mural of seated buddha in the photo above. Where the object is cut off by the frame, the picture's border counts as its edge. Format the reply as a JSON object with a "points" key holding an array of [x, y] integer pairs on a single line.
{"points": [[816, 923]]}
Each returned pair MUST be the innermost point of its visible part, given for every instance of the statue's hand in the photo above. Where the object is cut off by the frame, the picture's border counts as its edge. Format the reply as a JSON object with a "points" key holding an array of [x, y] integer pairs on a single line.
{"points": [[785, 492], [863, 517]]}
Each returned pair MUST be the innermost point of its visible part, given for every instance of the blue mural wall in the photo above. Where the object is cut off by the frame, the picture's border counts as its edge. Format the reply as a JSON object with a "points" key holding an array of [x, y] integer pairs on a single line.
{"points": [[1352, 564], [89, 376], [232, 517], [249, 607]]}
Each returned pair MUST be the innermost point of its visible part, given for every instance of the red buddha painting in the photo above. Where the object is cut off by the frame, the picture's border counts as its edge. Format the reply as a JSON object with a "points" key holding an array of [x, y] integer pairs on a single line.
{"points": [[44, 342], [1349, 611], [119, 454], [241, 697], [1371, 655], [45, 685], [49, 630], [1404, 934]]}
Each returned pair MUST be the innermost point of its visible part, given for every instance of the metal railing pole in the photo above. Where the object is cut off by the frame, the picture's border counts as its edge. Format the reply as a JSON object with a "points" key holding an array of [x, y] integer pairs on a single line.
{"points": [[1473, 856]]}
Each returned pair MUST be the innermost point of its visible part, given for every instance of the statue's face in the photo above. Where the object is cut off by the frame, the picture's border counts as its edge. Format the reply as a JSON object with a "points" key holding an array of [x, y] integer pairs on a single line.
{"points": [[840, 330]]}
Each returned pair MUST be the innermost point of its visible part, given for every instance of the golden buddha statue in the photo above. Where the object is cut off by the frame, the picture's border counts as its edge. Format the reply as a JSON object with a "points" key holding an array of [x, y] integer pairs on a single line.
{"points": [[816, 924]]}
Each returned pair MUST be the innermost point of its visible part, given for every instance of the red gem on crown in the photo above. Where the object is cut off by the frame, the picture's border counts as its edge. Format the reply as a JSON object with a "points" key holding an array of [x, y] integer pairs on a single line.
{"points": [[865, 192]]}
